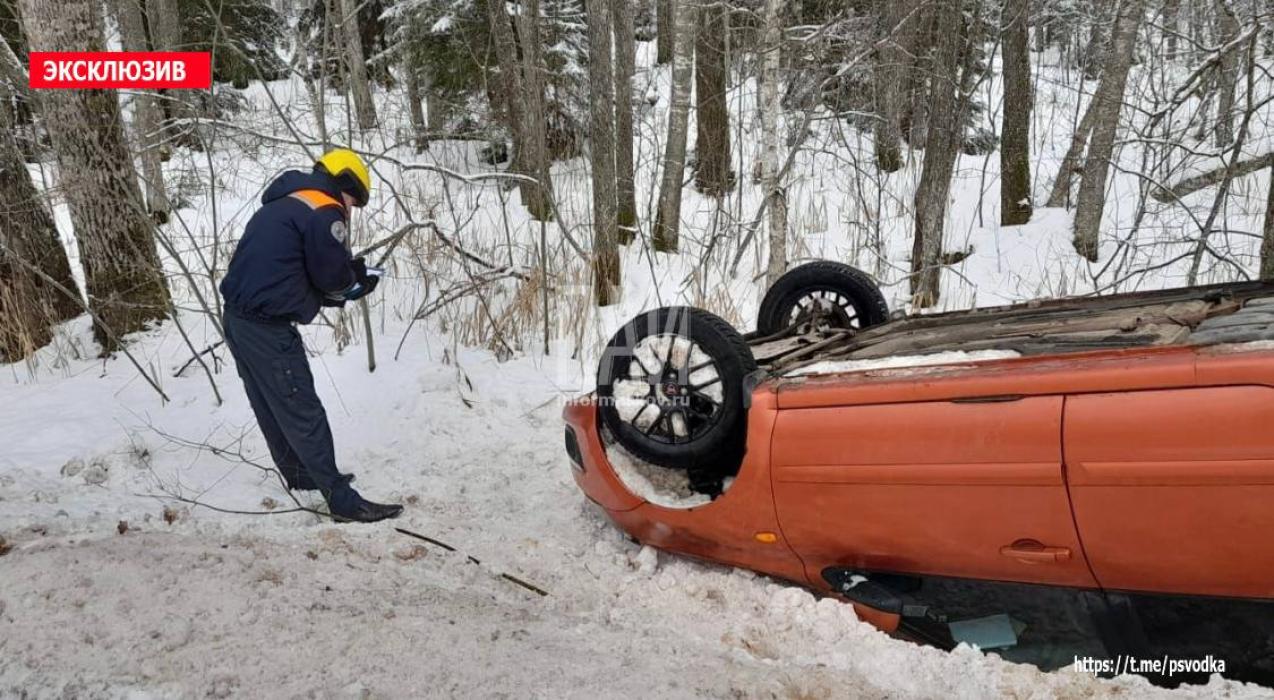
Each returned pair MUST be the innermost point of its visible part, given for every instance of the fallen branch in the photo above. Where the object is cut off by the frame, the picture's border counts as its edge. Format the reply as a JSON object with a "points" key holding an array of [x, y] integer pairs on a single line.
{"points": [[192, 360], [474, 560], [1212, 177]]}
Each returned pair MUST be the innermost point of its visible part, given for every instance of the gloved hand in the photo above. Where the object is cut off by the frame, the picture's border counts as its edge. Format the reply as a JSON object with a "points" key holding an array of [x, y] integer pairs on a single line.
{"points": [[365, 279]]}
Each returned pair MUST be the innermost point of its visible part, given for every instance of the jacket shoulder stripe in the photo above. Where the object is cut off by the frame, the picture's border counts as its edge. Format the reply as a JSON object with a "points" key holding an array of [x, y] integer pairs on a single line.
{"points": [[316, 199]]}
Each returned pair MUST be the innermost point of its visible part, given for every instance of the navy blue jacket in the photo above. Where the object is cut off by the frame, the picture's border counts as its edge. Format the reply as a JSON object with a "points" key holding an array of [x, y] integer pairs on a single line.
{"points": [[294, 254]]}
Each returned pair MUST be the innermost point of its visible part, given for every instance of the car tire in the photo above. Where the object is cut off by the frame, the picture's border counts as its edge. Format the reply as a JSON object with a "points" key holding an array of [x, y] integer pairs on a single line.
{"points": [[672, 391], [854, 298]]}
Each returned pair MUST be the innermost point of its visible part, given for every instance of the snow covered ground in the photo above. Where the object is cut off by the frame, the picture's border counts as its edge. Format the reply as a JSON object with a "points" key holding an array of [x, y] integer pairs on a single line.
{"points": [[100, 595], [221, 605]]}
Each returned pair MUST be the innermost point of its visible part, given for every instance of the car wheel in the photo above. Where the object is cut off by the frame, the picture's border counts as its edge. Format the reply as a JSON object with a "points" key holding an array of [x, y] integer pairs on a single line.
{"points": [[671, 390], [838, 295]]}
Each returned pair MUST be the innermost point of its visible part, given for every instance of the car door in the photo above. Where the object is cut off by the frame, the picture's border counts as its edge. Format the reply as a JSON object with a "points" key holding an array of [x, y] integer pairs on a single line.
{"points": [[961, 488], [1173, 489]]}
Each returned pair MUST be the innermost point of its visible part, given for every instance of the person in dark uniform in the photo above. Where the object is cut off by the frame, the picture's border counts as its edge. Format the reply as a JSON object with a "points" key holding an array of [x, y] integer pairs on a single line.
{"points": [[293, 258]]}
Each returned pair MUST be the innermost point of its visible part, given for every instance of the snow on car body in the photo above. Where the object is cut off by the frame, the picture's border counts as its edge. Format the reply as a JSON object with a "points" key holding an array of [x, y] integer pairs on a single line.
{"points": [[1123, 461]]}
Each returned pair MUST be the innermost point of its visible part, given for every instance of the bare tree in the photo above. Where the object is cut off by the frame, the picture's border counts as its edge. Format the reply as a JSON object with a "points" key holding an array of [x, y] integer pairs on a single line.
{"points": [[772, 48], [29, 306], [665, 18], [1108, 101], [894, 61], [520, 88], [359, 83], [668, 217], [606, 273], [625, 66], [509, 73], [1171, 22], [1060, 195], [948, 102], [415, 110], [126, 288], [147, 114], [30, 226], [1227, 76], [713, 175], [1267, 234], [538, 197], [1015, 146], [163, 18]]}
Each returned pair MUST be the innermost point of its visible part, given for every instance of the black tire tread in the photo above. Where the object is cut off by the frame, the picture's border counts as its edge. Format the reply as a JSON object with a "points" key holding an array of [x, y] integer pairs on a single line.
{"points": [[719, 456], [860, 287]]}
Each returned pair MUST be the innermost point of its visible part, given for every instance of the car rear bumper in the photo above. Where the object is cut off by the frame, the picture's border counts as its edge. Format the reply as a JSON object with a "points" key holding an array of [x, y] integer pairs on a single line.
{"points": [[739, 527]]}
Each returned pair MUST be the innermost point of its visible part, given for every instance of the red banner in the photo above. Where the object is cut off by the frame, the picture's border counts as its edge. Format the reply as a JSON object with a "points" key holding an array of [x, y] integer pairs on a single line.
{"points": [[78, 70]]}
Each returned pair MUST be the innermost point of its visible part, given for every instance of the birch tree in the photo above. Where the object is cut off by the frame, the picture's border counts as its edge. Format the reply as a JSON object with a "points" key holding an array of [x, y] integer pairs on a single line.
{"points": [[606, 273], [125, 284], [1015, 146], [668, 215], [1108, 101], [772, 47]]}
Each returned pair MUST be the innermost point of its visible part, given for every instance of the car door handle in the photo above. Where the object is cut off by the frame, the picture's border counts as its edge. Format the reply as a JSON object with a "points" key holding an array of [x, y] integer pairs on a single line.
{"points": [[1035, 552]]}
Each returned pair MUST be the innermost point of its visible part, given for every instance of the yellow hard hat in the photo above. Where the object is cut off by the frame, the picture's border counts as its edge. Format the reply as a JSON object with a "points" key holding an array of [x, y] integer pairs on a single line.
{"points": [[349, 171]]}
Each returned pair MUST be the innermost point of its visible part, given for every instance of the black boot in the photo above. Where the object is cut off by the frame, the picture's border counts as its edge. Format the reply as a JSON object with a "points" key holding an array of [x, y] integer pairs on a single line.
{"points": [[349, 507]]}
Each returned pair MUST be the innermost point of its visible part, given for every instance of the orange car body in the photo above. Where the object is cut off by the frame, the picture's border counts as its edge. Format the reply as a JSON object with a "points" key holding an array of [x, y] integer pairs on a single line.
{"points": [[1139, 470]]}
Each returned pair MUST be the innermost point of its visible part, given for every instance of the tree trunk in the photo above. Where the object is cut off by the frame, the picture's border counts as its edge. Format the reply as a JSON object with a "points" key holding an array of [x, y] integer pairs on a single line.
{"points": [[506, 88], [713, 176], [538, 161], [1091, 200], [29, 305], [942, 146], [668, 216], [416, 112], [435, 107], [1267, 234], [164, 21], [772, 47], [606, 273], [1015, 146], [147, 115], [1061, 193], [925, 34], [359, 83], [314, 88], [1227, 76], [125, 282], [1093, 57], [665, 18], [1171, 21], [898, 19], [1212, 177], [625, 66]]}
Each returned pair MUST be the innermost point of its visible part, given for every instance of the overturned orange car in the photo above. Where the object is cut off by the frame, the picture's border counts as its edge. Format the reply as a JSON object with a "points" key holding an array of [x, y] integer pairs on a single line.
{"points": [[1065, 479]]}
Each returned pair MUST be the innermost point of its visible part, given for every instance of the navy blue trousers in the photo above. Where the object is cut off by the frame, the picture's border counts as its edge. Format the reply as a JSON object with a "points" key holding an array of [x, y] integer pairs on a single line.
{"points": [[276, 374]]}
